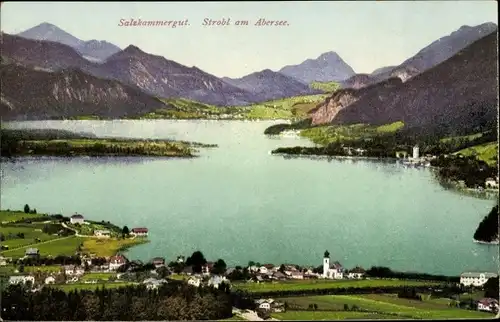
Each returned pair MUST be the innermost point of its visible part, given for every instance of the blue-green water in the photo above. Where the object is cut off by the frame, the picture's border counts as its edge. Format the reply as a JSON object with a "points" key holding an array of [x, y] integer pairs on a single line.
{"points": [[239, 203]]}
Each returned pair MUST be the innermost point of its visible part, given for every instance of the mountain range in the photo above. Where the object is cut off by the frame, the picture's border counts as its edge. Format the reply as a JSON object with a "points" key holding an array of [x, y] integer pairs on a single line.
{"points": [[270, 85], [327, 67], [428, 57], [136, 78], [94, 50], [456, 96]]}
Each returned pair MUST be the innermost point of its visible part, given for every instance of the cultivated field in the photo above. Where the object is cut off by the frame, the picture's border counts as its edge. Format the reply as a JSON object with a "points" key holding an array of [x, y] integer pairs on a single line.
{"points": [[299, 285], [380, 306]]}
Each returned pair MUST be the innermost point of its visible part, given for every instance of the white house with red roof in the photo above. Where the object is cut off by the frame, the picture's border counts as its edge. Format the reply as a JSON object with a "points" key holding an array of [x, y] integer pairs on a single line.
{"points": [[488, 304], [77, 219], [139, 232], [116, 261]]}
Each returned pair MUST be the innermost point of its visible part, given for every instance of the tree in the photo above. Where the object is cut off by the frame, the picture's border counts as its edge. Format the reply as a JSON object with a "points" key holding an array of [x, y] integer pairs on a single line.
{"points": [[26, 209], [125, 231], [491, 288], [251, 263], [196, 260], [282, 268], [219, 267]]}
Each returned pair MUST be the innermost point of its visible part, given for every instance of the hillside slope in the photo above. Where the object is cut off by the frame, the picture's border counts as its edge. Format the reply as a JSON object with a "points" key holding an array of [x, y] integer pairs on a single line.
{"points": [[456, 96], [29, 95]]}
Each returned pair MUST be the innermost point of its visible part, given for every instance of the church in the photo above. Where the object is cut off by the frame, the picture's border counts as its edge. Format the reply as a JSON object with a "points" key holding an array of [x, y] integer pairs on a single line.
{"points": [[333, 271]]}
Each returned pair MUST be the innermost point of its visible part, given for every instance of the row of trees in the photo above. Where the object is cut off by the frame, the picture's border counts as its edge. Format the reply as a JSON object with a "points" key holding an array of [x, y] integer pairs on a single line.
{"points": [[386, 272], [133, 303], [197, 261]]}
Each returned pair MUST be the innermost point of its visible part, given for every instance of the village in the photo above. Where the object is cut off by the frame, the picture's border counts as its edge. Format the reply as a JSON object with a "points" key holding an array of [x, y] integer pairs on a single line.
{"points": [[118, 270]]}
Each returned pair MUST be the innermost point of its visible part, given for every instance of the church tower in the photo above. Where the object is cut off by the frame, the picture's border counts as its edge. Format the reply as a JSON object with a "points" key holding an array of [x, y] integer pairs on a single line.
{"points": [[326, 264]]}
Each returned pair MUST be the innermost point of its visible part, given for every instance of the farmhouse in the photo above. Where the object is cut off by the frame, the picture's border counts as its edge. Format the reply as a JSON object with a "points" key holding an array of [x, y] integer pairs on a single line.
{"points": [[215, 281], [3, 261], [50, 280], [73, 270], [207, 268], [116, 261], [270, 305], [158, 261], [21, 279], [475, 278], [194, 281], [491, 183], [140, 232], [334, 271], [488, 304], [357, 273], [153, 283], [77, 219], [102, 233], [32, 252]]}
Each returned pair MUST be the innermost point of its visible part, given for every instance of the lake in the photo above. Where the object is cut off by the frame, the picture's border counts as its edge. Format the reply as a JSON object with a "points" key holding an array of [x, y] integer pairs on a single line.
{"points": [[239, 203]]}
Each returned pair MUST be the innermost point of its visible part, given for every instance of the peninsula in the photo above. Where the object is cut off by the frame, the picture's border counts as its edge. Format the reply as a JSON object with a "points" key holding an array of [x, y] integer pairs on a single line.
{"points": [[52, 142], [487, 231]]}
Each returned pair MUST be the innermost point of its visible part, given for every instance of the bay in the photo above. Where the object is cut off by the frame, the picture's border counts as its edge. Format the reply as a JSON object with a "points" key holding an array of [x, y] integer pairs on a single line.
{"points": [[239, 203]]}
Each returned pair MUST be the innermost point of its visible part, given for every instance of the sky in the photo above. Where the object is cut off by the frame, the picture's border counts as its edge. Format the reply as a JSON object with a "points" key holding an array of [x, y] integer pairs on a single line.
{"points": [[366, 34]]}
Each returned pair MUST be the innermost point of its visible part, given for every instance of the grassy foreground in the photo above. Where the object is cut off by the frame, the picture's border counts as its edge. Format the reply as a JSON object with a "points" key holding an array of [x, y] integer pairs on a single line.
{"points": [[381, 306]]}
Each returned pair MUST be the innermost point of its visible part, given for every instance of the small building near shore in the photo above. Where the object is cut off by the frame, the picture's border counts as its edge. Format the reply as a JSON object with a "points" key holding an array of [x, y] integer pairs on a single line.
{"points": [[116, 261], [102, 233], [139, 232], [13, 280]]}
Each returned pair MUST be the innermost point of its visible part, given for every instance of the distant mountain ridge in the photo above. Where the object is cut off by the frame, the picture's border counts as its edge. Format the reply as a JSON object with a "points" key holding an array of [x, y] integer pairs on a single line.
{"points": [[436, 52], [457, 96], [269, 85], [327, 67], [153, 74], [93, 49]]}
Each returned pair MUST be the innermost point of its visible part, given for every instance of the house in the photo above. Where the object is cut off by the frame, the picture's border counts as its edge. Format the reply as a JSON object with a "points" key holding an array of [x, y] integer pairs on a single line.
{"points": [[253, 269], [3, 261], [76, 219], [188, 270], [32, 252], [194, 281], [139, 232], [158, 261], [297, 275], [207, 267], [270, 305], [50, 280], [21, 279], [229, 271], [334, 271], [475, 278], [102, 233], [153, 283], [491, 183], [279, 276], [73, 270], [356, 273], [116, 261], [488, 304], [216, 280]]}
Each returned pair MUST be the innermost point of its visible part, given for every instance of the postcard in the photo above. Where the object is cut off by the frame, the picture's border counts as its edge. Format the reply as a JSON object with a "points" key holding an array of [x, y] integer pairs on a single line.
{"points": [[249, 160]]}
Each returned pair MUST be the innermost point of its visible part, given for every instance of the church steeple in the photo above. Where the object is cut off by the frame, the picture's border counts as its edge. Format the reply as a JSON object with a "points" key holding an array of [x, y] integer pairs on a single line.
{"points": [[327, 254]]}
